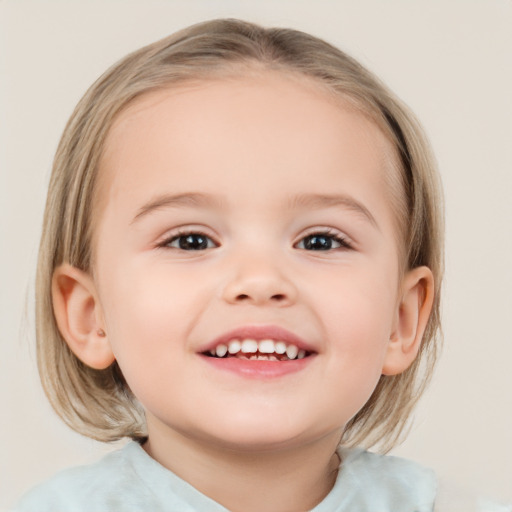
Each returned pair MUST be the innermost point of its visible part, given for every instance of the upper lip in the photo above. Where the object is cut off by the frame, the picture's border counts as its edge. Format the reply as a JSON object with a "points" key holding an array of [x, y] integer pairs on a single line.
{"points": [[259, 332]]}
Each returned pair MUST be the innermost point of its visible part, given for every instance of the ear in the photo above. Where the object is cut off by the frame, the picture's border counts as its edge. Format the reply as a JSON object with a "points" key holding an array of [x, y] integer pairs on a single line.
{"points": [[79, 316], [411, 320]]}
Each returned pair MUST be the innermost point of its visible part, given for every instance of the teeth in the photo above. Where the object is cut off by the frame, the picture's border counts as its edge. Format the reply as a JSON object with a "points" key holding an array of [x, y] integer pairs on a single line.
{"points": [[266, 349], [221, 350], [266, 358], [280, 347], [266, 346], [292, 351], [249, 346], [234, 346]]}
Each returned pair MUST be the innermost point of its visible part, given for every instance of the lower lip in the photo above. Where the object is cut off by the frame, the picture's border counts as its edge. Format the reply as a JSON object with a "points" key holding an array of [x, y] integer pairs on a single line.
{"points": [[258, 369]]}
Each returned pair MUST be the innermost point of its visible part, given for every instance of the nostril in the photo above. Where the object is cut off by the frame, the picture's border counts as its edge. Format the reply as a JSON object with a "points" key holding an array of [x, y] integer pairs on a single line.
{"points": [[278, 297]]}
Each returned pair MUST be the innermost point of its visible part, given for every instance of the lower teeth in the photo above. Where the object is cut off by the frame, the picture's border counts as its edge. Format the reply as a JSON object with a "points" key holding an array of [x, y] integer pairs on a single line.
{"points": [[256, 357]]}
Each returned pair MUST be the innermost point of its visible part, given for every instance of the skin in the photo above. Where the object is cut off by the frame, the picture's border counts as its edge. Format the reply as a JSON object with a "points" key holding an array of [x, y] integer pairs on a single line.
{"points": [[253, 146]]}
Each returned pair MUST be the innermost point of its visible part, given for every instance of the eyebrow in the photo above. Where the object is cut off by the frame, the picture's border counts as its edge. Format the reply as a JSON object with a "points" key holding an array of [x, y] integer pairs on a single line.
{"points": [[195, 199], [175, 201], [328, 200]]}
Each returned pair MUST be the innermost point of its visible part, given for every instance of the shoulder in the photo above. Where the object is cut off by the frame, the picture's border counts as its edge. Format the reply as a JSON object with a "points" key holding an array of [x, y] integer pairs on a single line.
{"points": [[388, 481], [127, 480], [369, 481], [115, 479], [452, 497]]}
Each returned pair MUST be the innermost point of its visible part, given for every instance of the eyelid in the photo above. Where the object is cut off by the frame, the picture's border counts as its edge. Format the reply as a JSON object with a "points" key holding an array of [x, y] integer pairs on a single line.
{"points": [[179, 231], [170, 235], [345, 241]]}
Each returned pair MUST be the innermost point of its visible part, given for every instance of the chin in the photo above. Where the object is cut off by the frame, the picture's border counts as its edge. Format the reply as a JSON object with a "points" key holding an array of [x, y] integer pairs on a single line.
{"points": [[258, 443], [274, 434]]}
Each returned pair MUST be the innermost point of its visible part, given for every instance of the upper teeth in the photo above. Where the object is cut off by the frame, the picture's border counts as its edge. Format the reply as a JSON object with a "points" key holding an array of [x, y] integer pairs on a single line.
{"points": [[250, 346]]}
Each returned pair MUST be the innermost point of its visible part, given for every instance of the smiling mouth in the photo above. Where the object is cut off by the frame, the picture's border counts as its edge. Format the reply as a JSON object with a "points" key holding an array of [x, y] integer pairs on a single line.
{"points": [[262, 350]]}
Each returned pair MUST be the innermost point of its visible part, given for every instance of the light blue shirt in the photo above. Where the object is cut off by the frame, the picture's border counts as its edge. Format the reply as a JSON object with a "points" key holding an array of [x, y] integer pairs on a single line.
{"points": [[129, 480]]}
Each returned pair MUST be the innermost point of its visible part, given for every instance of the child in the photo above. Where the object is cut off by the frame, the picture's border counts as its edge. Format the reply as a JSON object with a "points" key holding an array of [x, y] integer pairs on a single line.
{"points": [[240, 271]]}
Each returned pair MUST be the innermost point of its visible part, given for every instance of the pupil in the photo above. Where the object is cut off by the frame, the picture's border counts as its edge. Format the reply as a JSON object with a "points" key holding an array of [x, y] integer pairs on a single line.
{"points": [[193, 242], [318, 243]]}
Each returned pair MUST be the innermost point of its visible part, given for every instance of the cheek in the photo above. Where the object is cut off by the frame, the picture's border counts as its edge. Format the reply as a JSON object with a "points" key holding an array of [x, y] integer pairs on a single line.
{"points": [[147, 339], [147, 296], [148, 316], [359, 319], [359, 302]]}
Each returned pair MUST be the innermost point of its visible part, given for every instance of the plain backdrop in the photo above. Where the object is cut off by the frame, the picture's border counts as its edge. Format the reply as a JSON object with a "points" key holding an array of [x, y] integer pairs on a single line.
{"points": [[450, 60]]}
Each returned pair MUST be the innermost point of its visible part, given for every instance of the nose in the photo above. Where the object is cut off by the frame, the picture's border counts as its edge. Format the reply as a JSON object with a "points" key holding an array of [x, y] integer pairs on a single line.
{"points": [[259, 281]]}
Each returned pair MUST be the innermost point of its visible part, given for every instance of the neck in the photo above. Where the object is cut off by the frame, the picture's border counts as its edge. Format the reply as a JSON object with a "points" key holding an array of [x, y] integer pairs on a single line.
{"points": [[281, 480]]}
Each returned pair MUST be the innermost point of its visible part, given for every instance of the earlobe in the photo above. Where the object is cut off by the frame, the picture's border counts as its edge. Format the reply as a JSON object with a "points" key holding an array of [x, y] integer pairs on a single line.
{"points": [[79, 316], [412, 318]]}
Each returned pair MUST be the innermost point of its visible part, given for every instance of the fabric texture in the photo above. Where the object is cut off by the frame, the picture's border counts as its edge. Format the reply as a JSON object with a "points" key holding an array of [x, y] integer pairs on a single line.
{"points": [[451, 497], [129, 480]]}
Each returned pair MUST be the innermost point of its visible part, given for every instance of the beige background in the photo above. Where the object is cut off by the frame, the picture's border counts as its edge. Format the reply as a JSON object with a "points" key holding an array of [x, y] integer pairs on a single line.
{"points": [[449, 60]]}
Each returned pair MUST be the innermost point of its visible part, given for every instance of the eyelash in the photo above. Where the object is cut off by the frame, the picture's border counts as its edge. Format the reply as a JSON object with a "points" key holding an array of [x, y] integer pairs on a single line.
{"points": [[328, 234], [166, 244]]}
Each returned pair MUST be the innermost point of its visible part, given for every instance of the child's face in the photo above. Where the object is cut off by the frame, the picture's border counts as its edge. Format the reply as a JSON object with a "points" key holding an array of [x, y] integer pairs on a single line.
{"points": [[251, 208]]}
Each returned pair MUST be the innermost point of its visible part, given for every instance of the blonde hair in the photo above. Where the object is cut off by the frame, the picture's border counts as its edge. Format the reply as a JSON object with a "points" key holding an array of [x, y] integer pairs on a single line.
{"points": [[99, 403]]}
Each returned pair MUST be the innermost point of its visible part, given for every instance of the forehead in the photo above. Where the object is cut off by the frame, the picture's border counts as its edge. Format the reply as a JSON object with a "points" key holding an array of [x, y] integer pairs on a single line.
{"points": [[274, 130], [287, 113]]}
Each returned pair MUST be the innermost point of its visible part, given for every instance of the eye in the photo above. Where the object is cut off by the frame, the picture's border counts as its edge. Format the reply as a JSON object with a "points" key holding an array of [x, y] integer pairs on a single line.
{"points": [[323, 241], [190, 242]]}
